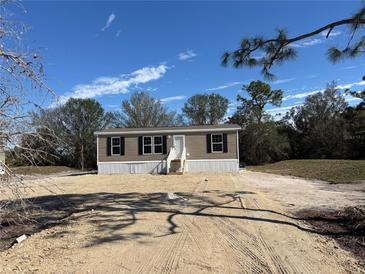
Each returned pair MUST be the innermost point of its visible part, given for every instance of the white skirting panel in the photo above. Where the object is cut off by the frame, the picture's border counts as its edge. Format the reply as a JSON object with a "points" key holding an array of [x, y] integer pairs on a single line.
{"points": [[216, 165], [211, 165], [131, 167]]}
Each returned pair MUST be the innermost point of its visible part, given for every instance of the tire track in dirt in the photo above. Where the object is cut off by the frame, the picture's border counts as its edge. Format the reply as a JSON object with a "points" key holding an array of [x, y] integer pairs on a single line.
{"points": [[274, 258], [292, 264], [167, 255], [287, 265], [232, 238], [169, 250], [239, 246], [242, 246], [163, 260], [164, 257], [269, 253], [229, 241], [173, 260]]}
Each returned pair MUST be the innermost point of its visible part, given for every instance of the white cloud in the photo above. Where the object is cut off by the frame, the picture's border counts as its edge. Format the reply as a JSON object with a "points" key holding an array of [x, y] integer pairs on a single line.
{"points": [[311, 42], [115, 85], [284, 110], [332, 34], [172, 98], [281, 110], [226, 85], [307, 43], [282, 81], [305, 94], [150, 89], [301, 95], [347, 68], [315, 41], [187, 55], [350, 85], [117, 34], [108, 22]]}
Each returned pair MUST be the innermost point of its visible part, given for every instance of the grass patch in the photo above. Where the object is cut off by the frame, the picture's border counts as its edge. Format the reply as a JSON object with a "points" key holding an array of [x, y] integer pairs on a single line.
{"points": [[333, 171], [43, 170]]}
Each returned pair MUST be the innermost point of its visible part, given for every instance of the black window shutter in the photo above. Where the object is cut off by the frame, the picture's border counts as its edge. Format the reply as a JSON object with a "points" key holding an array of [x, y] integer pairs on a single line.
{"points": [[164, 144], [209, 145], [140, 145], [122, 145], [108, 146], [225, 144]]}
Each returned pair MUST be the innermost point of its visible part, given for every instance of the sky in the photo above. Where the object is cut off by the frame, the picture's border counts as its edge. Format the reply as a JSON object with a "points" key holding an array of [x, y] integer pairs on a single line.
{"points": [[108, 50]]}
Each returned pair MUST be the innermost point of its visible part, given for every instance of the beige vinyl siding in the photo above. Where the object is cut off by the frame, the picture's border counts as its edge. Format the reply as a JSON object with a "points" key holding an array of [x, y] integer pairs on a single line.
{"points": [[195, 143], [196, 146], [130, 151]]}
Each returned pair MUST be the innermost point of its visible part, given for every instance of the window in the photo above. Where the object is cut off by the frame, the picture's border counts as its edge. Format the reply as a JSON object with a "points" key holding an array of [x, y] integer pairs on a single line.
{"points": [[152, 145], [217, 142], [115, 145], [158, 144], [147, 145]]}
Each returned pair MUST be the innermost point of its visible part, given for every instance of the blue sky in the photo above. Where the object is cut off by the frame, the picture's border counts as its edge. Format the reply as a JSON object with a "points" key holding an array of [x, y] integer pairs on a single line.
{"points": [[107, 50]]}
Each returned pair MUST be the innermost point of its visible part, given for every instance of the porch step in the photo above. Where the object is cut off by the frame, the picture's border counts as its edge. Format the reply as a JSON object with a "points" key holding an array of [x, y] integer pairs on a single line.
{"points": [[175, 165], [176, 173]]}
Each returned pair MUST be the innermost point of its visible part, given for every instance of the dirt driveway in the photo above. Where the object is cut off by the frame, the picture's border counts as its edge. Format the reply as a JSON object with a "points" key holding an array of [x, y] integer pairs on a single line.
{"points": [[298, 193], [128, 224]]}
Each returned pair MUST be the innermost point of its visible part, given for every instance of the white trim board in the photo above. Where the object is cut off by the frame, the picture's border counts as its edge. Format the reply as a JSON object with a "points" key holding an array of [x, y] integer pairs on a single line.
{"points": [[238, 147], [159, 161], [211, 160], [131, 162], [172, 131], [97, 150]]}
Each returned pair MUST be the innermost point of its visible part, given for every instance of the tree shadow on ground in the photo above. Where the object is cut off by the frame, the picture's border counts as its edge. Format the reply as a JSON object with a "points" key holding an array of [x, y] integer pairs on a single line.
{"points": [[111, 215]]}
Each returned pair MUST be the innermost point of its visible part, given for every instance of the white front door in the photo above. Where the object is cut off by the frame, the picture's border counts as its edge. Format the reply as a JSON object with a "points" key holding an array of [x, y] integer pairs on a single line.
{"points": [[179, 144]]}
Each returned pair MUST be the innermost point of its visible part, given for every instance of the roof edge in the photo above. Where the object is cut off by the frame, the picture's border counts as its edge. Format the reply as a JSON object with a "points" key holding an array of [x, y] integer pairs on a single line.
{"points": [[172, 130]]}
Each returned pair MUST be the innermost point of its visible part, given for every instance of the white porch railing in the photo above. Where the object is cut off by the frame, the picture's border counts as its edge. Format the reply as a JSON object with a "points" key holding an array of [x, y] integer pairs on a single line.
{"points": [[172, 155], [183, 160], [5, 171]]}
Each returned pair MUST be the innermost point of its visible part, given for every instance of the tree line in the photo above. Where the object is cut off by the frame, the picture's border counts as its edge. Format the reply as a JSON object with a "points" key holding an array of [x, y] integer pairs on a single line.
{"points": [[65, 134], [324, 126]]}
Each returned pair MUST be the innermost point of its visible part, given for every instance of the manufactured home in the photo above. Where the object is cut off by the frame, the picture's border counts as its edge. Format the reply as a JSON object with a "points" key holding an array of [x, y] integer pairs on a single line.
{"points": [[207, 148]]}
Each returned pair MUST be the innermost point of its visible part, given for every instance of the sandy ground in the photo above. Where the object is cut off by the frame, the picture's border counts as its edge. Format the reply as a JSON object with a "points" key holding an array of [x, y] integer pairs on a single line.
{"points": [[297, 193], [223, 223]]}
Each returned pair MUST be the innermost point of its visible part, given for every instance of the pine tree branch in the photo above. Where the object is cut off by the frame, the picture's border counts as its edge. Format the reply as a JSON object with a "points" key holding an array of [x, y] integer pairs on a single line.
{"points": [[328, 27], [277, 50]]}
